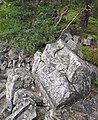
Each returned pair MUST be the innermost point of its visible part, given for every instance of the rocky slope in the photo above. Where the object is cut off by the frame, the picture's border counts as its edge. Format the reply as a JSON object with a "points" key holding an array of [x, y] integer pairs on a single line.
{"points": [[53, 85]]}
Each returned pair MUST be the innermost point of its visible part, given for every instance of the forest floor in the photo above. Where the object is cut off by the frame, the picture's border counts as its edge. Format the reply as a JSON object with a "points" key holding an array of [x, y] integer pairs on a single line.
{"points": [[31, 27]]}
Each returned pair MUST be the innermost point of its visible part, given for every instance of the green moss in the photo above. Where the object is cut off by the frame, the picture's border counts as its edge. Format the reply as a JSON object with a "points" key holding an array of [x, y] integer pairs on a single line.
{"points": [[90, 55]]}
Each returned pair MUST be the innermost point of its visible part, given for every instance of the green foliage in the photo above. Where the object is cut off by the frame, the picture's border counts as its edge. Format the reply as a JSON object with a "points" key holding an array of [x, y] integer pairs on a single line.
{"points": [[31, 27], [93, 21], [96, 82], [92, 29], [90, 55], [28, 28], [95, 8]]}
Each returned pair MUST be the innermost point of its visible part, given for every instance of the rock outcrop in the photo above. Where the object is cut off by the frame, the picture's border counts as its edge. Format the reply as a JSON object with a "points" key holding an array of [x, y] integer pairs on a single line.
{"points": [[16, 83], [53, 85], [63, 76], [81, 110], [24, 103], [17, 79]]}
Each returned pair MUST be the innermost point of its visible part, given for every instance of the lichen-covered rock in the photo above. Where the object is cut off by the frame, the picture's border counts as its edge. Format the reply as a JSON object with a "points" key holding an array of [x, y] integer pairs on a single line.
{"points": [[76, 39], [81, 110], [63, 77], [17, 79], [73, 46], [23, 94], [21, 114], [87, 109], [54, 115], [94, 69], [24, 103], [66, 36]]}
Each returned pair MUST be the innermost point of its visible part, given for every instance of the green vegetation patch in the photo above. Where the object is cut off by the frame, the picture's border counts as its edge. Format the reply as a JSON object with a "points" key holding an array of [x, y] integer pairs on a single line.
{"points": [[28, 28], [31, 27], [90, 54], [96, 82]]}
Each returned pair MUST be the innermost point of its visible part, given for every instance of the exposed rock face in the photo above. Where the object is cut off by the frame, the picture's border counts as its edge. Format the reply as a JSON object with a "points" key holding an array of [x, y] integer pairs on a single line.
{"points": [[24, 103], [4, 47], [17, 79], [64, 77], [66, 37], [59, 78], [82, 110], [21, 101], [16, 83], [94, 69]]}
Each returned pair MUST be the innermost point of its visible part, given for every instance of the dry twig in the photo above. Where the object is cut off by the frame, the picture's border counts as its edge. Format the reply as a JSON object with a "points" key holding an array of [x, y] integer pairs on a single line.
{"points": [[69, 23], [61, 16]]}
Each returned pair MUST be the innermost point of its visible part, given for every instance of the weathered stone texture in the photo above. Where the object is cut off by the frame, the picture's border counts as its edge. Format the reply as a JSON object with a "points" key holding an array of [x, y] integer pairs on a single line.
{"points": [[64, 77]]}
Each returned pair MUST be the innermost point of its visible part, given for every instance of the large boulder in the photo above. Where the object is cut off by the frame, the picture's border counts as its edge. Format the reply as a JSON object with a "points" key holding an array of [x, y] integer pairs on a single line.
{"points": [[63, 77]]}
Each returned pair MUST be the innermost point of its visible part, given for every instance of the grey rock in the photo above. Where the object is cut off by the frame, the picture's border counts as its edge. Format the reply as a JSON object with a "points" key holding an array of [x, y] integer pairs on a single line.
{"points": [[73, 46], [4, 47], [24, 105], [90, 38], [24, 61], [2, 94], [36, 62], [4, 65], [17, 115], [94, 69], [86, 42], [81, 110], [13, 54], [41, 112], [17, 79], [3, 77], [2, 87], [76, 39], [4, 113], [23, 94], [66, 37], [54, 115], [1, 1], [63, 77], [87, 108], [3, 61], [89, 41], [13, 57]]}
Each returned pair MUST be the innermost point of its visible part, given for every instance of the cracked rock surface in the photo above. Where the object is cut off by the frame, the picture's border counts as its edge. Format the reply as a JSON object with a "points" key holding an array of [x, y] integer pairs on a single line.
{"points": [[53, 85], [63, 76]]}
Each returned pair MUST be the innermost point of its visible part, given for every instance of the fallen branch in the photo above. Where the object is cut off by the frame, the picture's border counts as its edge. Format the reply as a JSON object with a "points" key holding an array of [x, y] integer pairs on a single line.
{"points": [[69, 23], [61, 16]]}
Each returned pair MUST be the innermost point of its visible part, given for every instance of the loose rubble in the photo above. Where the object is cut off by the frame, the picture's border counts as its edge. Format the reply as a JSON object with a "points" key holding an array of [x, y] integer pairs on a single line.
{"points": [[52, 85]]}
